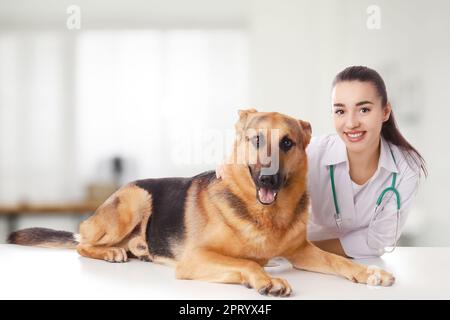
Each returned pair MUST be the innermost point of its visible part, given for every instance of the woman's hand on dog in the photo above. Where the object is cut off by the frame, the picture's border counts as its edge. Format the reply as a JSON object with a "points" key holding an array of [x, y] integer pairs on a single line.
{"points": [[220, 170]]}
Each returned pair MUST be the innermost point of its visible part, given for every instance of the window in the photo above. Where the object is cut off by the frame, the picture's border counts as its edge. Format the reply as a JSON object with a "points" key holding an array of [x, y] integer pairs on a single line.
{"points": [[70, 104]]}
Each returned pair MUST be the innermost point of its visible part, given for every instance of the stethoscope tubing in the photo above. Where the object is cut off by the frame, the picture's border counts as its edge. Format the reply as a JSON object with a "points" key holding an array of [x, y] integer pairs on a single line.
{"points": [[392, 188]]}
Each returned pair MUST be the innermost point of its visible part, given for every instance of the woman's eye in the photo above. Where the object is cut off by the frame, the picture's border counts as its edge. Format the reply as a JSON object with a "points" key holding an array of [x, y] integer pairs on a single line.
{"points": [[365, 110], [339, 112]]}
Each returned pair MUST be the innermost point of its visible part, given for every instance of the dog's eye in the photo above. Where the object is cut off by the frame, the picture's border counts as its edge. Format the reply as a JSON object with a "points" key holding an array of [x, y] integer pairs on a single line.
{"points": [[258, 141], [286, 144]]}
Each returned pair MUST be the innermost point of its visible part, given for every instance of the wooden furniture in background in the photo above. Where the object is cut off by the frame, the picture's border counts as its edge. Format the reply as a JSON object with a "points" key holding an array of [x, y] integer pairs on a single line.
{"points": [[13, 212]]}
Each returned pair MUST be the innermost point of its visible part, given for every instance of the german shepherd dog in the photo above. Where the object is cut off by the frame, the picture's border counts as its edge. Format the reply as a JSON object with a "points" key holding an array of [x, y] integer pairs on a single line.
{"points": [[219, 230]]}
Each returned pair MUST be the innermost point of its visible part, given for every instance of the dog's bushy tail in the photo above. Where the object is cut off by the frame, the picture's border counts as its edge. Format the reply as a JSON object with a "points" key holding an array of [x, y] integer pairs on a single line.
{"points": [[42, 237]]}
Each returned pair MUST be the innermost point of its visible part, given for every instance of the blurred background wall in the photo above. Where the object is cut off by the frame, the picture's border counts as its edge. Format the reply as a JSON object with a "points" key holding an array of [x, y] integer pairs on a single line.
{"points": [[156, 85]]}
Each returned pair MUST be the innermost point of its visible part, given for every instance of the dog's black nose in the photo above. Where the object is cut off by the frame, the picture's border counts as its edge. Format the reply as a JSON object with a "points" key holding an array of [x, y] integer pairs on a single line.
{"points": [[269, 181]]}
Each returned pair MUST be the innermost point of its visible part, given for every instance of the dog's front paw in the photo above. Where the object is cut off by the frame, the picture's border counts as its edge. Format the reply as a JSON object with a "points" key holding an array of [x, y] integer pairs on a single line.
{"points": [[116, 255], [374, 276], [274, 287], [379, 277]]}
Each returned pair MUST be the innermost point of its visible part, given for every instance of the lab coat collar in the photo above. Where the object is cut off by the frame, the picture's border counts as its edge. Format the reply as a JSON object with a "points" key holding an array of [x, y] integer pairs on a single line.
{"points": [[337, 153], [386, 158]]}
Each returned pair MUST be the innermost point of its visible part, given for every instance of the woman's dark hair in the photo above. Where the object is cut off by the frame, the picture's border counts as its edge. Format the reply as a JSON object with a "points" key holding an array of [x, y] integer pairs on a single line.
{"points": [[389, 130]]}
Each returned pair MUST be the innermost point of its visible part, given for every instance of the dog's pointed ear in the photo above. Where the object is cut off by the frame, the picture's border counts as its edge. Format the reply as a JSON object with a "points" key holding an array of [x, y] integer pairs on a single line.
{"points": [[243, 115], [307, 131]]}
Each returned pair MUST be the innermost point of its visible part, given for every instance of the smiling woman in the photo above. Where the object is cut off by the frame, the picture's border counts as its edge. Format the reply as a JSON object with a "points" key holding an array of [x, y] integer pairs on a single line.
{"points": [[367, 165], [358, 118]]}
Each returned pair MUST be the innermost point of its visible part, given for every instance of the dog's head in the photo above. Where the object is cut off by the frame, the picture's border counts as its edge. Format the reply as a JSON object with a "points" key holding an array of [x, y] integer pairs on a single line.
{"points": [[272, 146]]}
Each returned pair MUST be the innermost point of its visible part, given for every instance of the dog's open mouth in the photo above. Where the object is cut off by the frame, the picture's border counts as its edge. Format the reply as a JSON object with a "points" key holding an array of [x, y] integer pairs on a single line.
{"points": [[266, 195]]}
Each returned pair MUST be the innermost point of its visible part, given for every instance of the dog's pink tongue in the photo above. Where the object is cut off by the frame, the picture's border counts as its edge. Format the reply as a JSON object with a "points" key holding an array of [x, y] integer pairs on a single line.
{"points": [[266, 195]]}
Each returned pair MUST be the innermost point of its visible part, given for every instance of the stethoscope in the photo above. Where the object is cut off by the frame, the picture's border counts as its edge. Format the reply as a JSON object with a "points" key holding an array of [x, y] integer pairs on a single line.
{"points": [[338, 217]]}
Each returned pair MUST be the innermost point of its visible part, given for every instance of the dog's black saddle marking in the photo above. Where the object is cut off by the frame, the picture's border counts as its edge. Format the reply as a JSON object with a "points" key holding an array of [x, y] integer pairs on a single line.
{"points": [[166, 223]]}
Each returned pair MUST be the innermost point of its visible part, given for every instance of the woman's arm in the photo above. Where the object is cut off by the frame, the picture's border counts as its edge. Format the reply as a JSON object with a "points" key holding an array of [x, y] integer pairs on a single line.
{"points": [[331, 245], [381, 232]]}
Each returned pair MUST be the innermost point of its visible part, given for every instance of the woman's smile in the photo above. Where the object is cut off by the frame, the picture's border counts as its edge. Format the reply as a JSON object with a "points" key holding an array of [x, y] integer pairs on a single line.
{"points": [[355, 136]]}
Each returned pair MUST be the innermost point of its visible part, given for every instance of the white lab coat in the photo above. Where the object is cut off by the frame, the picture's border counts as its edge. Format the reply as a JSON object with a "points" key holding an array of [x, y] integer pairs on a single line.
{"points": [[360, 238]]}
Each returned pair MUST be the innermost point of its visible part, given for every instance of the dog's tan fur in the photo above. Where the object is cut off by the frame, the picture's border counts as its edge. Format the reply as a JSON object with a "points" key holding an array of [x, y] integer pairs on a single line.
{"points": [[229, 236]]}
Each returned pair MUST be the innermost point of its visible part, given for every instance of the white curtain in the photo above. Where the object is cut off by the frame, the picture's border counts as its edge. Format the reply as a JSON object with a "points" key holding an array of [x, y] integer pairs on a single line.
{"points": [[32, 117], [156, 98]]}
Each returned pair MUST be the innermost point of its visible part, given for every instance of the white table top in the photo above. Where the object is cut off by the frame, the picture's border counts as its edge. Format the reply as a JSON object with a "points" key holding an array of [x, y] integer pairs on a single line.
{"points": [[36, 273]]}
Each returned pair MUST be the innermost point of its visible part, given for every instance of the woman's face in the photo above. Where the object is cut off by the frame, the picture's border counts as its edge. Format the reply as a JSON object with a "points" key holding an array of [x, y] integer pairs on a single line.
{"points": [[358, 114]]}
